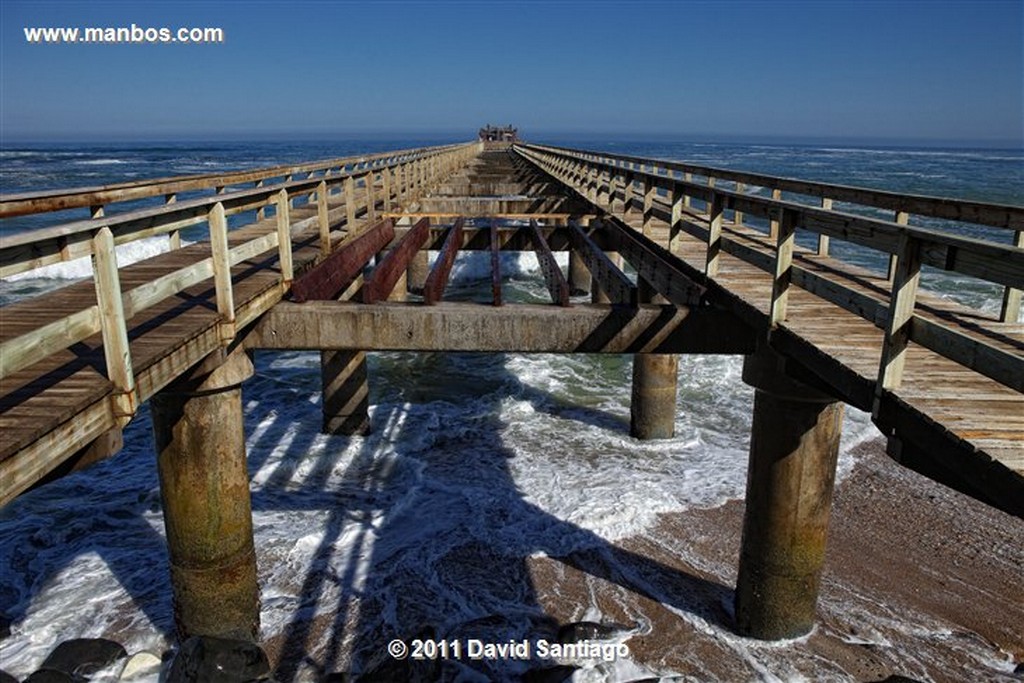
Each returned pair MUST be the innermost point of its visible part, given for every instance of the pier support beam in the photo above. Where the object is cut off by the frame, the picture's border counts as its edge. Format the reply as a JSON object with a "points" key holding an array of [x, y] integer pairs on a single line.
{"points": [[652, 408], [793, 449], [346, 393], [204, 486]]}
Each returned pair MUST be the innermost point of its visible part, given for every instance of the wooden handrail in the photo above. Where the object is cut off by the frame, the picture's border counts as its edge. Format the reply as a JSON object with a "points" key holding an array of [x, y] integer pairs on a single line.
{"points": [[982, 213], [27, 203], [98, 237], [35, 248], [912, 245]]}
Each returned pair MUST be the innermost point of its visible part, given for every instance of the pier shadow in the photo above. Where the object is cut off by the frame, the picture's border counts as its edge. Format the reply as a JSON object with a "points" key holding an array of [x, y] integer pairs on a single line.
{"points": [[429, 536]]}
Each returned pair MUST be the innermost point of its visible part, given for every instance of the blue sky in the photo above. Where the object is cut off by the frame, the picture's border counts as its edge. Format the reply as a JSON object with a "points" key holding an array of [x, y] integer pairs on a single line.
{"points": [[870, 70]]}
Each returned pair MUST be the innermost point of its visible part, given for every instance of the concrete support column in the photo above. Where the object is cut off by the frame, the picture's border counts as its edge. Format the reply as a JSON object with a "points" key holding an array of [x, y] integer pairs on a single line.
{"points": [[598, 295], [204, 486], [793, 449], [579, 276], [652, 409], [344, 386], [416, 273], [345, 393]]}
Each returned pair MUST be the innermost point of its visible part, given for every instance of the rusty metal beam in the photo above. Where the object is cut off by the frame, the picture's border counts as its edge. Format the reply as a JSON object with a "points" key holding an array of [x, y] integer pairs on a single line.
{"points": [[495, 265], [332, 276], [553, 276], [436, 282], [387, 273], [613, 282], [513, 328], [653, 263]]}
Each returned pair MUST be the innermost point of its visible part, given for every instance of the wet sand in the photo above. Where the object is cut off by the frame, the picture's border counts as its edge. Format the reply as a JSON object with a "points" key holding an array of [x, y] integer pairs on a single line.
{"points": [[920, 582]]}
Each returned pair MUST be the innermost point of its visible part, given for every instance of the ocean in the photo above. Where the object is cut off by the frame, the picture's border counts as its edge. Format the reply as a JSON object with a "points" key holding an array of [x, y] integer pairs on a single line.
{"points": [[476, 462]]}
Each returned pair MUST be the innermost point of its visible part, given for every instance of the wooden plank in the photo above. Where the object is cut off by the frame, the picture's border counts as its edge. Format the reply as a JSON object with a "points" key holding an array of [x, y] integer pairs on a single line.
{"points": [[554, 279], [437, 280], [335, 273], [380, 283]]}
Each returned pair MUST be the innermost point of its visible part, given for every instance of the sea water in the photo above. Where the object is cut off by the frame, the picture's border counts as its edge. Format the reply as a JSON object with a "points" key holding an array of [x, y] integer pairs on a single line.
{"points": [[475, 462]]}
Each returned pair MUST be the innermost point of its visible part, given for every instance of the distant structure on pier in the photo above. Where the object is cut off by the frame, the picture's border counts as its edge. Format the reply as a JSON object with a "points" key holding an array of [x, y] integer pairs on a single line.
{"points": [[493, 136]]}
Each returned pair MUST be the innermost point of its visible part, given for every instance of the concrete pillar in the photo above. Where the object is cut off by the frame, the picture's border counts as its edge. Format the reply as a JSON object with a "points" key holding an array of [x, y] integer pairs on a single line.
{"points": [[793, 448], [652, 409], [345, 392], [579, 276], [598, 295], [416, 273], [204, 486]]}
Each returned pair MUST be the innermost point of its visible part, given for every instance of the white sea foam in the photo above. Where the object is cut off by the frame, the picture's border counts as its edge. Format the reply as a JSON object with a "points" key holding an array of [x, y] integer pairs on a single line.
{"points": [[79, 268]]}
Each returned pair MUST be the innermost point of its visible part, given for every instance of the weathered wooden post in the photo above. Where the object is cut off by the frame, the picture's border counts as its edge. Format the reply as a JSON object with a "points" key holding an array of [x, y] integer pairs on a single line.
{"points": [[793, 449], [204, 486], [652, 408]]}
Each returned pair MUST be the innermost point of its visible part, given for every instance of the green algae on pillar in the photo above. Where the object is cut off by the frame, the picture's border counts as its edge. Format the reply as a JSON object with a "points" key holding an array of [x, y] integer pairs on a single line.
{"points": [[793, 450], [204, 486]]}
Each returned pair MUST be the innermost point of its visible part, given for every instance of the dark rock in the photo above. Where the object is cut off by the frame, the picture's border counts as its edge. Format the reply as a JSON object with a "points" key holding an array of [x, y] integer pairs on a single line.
{"points": [[84, 656], [1019, 669], [588, 630], [206, 659], [896, 678], [550, 674], [7, 678], [52, 676]]}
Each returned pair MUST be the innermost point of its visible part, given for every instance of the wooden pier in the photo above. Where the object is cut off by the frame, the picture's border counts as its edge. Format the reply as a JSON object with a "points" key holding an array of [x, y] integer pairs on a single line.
{"points": [[331, 256]]}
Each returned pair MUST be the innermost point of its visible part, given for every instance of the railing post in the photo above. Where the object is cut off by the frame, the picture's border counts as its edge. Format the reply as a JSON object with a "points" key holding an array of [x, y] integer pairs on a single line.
{"points": [[1010, 312], [783, 267], [113, 325], [650, 189], [737, 215], [901, 218], [323, 219], [284, 236], [676, 224], [261, 212], [371, 201], [385, 176], [222, 270], [173, 237], [687, 201], [714, 235], [350, 203], [901, 315], [823, 240], [773, 224]]}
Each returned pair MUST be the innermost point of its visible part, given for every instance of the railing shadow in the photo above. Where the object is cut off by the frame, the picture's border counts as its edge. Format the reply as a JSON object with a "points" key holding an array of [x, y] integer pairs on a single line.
{"points": [[437, 543]]}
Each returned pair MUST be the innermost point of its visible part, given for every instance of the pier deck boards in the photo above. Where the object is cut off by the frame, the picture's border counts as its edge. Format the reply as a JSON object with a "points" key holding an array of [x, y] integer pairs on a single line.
{"points": [[968, 426]]}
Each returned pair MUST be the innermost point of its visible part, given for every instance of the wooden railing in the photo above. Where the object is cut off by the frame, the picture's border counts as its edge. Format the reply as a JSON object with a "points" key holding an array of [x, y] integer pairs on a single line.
{"points": [[604, 178], [361, 182]]}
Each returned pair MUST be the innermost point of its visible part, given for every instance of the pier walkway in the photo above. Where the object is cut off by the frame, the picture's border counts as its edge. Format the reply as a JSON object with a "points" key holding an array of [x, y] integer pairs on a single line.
{"points": [[679, 258]]}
